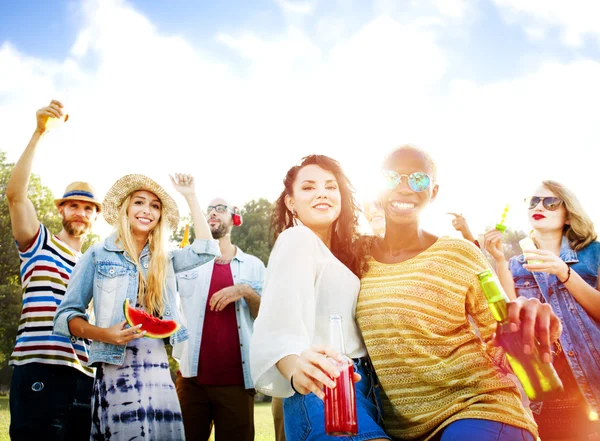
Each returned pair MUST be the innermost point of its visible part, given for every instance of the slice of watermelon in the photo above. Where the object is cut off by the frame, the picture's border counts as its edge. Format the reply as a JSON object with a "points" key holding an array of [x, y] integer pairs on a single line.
{"points": [[154, 327]]}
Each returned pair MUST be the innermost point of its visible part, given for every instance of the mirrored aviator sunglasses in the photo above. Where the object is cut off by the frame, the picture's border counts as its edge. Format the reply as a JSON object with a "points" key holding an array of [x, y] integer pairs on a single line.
{"points": [[417, 181], [550, 203]]}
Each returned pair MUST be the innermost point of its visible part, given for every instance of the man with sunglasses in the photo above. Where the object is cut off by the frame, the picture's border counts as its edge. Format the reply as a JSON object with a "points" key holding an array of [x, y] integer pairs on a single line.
{"points": [[220, 301]]}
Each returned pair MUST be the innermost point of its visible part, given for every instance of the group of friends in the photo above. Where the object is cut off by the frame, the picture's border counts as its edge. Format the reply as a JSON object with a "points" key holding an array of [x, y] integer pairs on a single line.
{"points": [[415, 321]]}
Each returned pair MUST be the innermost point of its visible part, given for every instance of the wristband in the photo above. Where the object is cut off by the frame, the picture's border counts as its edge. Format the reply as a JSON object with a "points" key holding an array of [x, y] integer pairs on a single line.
{"points": [[292, 384], [568, 276]]}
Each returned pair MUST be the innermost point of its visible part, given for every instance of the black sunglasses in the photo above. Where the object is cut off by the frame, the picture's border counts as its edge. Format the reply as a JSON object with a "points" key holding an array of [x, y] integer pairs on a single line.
{"points": [[550, 203]]}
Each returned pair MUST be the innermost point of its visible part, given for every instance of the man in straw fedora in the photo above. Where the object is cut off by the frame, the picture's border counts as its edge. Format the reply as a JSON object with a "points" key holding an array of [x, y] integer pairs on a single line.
{"points": [[51, 384]]}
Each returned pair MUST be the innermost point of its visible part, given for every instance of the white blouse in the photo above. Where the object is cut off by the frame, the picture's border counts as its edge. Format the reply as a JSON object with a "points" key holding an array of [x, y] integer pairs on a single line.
{"points": [[304, 284]]}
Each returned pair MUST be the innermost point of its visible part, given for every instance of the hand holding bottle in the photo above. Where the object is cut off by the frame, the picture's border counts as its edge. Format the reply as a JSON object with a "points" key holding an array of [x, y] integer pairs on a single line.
{"points": [[314, 370], [53, 111], [526, 329]]}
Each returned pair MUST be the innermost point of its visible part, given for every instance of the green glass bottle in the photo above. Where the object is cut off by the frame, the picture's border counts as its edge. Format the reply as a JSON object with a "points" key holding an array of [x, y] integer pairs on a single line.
{"points": [[539, 379]]}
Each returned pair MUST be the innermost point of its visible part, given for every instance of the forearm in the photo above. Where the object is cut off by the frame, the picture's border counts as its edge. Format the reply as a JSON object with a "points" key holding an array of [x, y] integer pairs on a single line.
{"points": [[80, 327], [466, 234], [201, 227], [286, 365], [587, 296], [252, 300], [506, 279], [16, 188]]}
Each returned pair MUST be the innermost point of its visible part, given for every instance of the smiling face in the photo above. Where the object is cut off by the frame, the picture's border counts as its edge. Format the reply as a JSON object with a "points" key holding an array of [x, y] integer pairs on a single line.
{"points": [[144, 211], [316, 197], [402, 204], [542, 219]]}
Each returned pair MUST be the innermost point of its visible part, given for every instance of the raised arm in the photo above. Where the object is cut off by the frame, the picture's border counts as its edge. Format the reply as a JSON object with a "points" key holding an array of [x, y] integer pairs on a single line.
{"points": [[184, 184], [23, 218], [492, 243]]}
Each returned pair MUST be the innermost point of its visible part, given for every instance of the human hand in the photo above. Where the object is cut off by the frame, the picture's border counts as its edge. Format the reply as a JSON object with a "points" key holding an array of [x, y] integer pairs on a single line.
{"points": [[184, 184], [316, 368], [225, 296], [120, 334], [492, 243], [546, 262], [53, 110], [536, 320], [460, 224]]}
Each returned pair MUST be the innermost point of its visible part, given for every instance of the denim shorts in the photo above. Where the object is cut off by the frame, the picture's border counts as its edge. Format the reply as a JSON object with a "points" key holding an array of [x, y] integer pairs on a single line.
{"points": [[482, 430], [304, 415]]}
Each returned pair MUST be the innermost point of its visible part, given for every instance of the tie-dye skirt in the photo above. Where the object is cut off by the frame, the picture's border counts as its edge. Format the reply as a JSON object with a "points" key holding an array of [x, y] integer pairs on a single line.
{"points": [[137, 401]]}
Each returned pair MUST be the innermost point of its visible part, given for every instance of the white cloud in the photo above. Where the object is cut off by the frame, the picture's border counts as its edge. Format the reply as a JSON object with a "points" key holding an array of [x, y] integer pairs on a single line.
{"points": [[142, 101], [576, 18], [304, 8], [451, 8]]}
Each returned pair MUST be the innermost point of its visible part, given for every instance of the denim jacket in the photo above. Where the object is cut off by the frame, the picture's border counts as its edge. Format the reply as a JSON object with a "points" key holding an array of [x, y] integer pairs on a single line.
{"points": [[106, 274], [580, 339], [193, 289]]}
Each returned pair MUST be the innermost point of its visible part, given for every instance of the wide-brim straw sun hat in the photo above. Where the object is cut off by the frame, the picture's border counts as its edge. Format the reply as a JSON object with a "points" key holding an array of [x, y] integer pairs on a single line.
{"points": [[128, 184]]}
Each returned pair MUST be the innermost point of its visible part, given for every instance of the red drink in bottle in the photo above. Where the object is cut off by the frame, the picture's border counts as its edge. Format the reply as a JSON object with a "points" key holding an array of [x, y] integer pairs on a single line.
{"points": [[340, 401]]}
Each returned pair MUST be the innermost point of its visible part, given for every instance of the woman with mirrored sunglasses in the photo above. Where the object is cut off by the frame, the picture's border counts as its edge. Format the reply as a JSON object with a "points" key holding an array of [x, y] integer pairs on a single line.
{"points": [[442, 381], [562, 270]]}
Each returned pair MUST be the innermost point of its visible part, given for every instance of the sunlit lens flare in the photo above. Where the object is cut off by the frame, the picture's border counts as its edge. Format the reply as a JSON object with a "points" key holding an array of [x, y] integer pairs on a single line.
{"points": [[593, 416], [391, 179]]}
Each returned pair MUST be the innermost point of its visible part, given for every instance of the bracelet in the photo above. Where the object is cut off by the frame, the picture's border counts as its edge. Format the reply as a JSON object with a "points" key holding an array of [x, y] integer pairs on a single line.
{"points": [[568, 276], [292, 384]]}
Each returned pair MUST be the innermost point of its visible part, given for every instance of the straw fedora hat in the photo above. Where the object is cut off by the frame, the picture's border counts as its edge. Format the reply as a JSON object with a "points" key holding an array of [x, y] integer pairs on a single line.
{"points": [[79, 191], [128, 184]]}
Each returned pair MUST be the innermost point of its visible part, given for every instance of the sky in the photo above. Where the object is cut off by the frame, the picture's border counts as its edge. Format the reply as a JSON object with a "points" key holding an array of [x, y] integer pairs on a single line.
{"points": [[502, 93]]}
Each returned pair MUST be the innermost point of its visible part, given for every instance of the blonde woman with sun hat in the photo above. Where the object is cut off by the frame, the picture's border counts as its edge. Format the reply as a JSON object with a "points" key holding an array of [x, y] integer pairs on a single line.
{"points": [[133, 391]]}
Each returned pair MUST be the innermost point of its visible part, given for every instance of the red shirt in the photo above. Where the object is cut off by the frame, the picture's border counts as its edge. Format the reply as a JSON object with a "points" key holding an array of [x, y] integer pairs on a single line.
{"points": [[220, 361]]}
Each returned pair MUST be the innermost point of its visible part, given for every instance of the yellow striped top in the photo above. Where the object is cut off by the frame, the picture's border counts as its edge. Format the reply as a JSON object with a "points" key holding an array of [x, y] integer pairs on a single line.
{"points": [[432, 365]]}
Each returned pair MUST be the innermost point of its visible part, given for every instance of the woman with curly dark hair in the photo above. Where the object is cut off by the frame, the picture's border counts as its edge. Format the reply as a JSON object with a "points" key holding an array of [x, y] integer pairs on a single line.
{"points": [[313, 272]]}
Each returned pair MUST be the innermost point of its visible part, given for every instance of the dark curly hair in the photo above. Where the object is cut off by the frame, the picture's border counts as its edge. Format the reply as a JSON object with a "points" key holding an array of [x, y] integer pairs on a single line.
{"points": [[345, 227]]}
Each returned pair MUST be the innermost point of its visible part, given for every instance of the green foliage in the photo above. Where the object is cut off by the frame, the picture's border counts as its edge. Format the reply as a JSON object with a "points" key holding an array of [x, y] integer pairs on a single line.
{"points": [[253, 237]]}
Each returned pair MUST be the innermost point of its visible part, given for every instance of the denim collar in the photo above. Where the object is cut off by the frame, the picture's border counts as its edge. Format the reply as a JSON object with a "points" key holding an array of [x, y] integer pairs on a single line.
{"points": [[567, 254], [110, 244], [239, 254]]}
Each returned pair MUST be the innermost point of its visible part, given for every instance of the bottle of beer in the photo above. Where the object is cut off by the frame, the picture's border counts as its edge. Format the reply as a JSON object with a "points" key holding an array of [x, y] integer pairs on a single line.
{"points": [[186, 237], [340, 401], [539, 379]]}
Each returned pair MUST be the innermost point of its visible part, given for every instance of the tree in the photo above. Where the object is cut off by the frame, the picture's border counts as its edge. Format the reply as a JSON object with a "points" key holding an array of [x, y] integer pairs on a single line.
{"points": [[10, 284], [253, 236]]}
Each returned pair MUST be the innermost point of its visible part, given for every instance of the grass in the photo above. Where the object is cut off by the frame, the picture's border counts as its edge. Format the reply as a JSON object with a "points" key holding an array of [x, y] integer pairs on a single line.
{"points": [[4, 419], [263, 421]]}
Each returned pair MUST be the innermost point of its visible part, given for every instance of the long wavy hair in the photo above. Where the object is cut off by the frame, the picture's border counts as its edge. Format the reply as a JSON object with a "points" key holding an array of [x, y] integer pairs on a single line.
{"points": [[580, 231], [150, 288], [345, 227]]}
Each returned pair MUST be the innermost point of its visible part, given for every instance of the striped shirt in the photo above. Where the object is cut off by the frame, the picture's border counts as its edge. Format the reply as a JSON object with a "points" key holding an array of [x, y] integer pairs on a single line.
{"points": [[46, 267], [431, 363]]}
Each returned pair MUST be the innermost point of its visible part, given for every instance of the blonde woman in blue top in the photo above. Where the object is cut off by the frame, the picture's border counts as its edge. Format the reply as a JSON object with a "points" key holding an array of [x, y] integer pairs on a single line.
{"points": [[134, 395], [563, 271]]}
